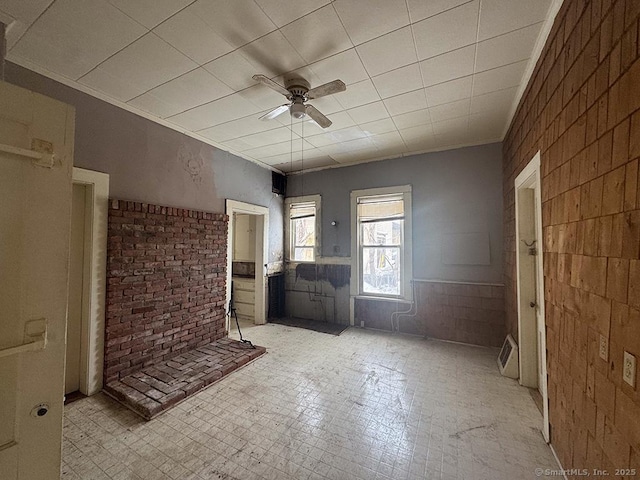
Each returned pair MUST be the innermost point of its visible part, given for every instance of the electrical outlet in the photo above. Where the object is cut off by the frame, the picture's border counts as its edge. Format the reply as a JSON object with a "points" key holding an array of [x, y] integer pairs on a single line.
{"points": [[604, 348], [629, 369]]}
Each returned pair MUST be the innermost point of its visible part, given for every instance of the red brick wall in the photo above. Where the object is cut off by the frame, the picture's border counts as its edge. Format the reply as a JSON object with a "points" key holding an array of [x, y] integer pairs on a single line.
{"points": [[580, 110], [166, 280], [461, 312]]}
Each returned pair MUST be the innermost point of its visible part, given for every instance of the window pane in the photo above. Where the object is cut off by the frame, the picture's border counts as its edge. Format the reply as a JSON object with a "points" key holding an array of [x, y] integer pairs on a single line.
{"points": [[382, 233], [381, 270], [303, 232], [303, 254]]}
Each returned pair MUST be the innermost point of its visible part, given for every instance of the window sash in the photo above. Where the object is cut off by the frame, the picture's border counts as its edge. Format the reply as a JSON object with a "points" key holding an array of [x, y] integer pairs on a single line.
{"points": [[389, 208]]}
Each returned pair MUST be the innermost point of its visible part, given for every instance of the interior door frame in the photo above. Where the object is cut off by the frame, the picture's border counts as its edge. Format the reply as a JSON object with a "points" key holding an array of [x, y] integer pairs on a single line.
{"points": [[94, 278], [262, 248], [530, 178]]}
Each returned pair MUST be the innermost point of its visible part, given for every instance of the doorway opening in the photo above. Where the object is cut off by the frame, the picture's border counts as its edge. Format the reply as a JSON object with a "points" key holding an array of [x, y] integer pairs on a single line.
{"points": [[87, 284], [530, 283], [247, 246]]}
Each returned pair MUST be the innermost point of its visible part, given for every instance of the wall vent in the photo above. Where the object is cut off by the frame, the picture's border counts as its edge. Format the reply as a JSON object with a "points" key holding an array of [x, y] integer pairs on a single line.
{"points": [[278, 183], [508, 358]]}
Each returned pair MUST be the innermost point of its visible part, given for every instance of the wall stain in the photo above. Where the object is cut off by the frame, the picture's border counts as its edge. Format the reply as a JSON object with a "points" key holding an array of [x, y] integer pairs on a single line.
{"points": [[337, 275]]}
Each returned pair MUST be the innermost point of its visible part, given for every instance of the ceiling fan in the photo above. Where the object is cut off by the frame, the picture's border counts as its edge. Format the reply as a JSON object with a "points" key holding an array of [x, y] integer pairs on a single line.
{"points": [[298, 91]]}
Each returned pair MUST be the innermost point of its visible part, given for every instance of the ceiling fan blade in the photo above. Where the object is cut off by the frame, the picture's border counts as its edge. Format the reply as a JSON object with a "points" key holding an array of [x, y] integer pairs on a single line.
{"points": [[271, 84], [318, 117], [275, 112], [327, 89]]}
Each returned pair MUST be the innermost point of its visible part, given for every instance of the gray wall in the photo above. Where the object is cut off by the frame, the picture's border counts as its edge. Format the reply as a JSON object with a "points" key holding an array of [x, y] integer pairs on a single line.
{"points": [[150, 163], [455, 193]]}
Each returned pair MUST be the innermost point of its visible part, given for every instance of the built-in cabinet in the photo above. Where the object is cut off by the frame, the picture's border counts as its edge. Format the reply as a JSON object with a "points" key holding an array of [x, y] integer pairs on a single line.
{"points": [[244, 297]]}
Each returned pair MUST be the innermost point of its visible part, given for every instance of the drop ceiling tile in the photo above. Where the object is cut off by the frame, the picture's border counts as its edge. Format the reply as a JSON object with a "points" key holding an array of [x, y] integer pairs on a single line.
{"points": [[346, 66], [455, 125], [150, 12], [277, 135], [415, 133], [114, 85], [421, 9], [448, 66], [449, 91], [388, 52], [278, 149], [347, 134], [499, 100], [298, 166], [238, 128], [318, 35], [187, 91], [398, 81], [153, 105], [382, 16], [71, 38], [487, 126], [378, 127], [263, 97], [388, 140], [368, 113], [499, 78], [357, 94], [336, 150], [321, 140], [238, 22], [327, 105], [272, 53], [412, 119], [237, 144], [190, 34], [407, 102], [501, 16], [24, 12], [451, 110], [282, 12], [307, 156], [447, 31], [219, 111], [235, 70], [508, 48], [144, 64]]}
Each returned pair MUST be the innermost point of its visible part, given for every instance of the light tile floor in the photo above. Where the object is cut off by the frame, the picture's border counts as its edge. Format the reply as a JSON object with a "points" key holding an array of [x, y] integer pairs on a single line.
{"points": [[364, 405]]}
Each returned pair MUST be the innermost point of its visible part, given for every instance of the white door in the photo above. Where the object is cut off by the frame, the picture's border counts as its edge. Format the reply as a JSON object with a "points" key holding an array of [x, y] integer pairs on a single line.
{"points": [[539, 297], [35, 195], [75, 310], [530, 285]]}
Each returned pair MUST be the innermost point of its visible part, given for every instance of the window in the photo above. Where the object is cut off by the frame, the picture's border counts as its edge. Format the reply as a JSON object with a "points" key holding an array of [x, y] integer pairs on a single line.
{"points": [[303, 228], [383, 236]]}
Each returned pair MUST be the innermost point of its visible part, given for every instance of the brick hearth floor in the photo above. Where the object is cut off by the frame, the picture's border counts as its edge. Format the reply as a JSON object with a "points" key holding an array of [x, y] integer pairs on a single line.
{"points": [[364, 405], [157, 388]]}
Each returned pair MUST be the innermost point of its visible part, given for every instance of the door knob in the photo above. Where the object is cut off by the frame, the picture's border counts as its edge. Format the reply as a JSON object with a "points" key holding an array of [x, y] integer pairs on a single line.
{"points": [[532, 304]]}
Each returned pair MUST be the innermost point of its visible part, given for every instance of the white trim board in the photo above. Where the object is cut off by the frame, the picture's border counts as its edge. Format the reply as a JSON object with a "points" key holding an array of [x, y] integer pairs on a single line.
{"points": [[95, 277]]}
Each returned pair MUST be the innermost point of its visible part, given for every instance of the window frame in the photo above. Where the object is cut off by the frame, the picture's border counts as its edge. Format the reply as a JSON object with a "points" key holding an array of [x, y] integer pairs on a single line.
{"points": [[406, 246], [289, 202]]}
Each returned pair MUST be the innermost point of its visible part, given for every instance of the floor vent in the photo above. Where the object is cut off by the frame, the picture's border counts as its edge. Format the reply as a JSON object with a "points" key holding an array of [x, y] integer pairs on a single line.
{"points": [[508, 358]]}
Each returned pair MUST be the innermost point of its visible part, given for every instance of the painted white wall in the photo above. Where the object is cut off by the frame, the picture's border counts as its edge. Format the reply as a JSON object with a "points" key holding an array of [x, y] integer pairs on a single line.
{"points": [[244, 238]]}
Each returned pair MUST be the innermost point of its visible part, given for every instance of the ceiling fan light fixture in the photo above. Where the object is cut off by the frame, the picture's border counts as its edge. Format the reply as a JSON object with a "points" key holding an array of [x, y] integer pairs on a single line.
{"points": [[298, 110]]}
